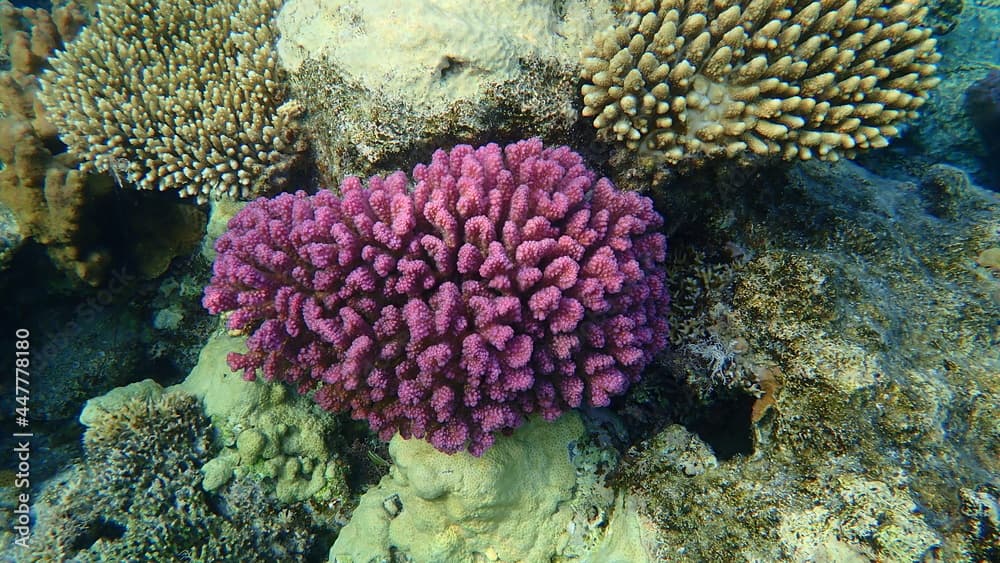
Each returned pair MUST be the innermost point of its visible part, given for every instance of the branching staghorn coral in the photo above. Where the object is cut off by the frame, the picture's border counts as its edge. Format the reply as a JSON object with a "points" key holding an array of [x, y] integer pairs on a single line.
{"points": [[796, 78], [182, 95]]}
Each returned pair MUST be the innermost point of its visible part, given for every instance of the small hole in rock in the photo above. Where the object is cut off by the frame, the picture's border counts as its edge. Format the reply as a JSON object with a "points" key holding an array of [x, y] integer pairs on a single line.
{"points": [[725, 426], [451, 67]]}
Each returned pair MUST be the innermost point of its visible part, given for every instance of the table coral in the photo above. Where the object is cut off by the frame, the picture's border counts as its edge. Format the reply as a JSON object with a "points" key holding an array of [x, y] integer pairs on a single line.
{"points": [[182, 96], [680, 79], [504, 282]]}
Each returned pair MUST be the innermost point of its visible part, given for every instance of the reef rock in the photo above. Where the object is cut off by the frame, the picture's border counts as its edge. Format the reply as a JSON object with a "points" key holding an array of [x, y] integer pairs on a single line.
{"points": [[385, 78]]}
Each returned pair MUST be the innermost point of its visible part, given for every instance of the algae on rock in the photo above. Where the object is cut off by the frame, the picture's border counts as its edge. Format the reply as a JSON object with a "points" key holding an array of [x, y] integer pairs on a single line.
{"points": [[865, 297], [386, 82]]}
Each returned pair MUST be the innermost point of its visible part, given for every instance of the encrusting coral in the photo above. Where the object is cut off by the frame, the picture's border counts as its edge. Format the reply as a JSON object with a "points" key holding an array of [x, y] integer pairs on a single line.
{"points": [[137, 495], [182, 96], [679, 79], [506, 281]]}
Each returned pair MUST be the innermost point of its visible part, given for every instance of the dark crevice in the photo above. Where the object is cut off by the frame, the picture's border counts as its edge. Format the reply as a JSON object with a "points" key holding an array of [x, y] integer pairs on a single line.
{"points": [[725, 426]]}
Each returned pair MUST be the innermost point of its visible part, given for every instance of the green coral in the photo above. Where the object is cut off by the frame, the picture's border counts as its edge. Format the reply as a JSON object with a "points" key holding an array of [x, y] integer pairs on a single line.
{"points": [[266, 432], [534, 496], [137, 494], [864, 295]]}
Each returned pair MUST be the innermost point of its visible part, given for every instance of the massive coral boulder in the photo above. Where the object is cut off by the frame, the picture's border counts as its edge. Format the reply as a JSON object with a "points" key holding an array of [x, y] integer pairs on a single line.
{"points": [[538, 495], [388, 81]]}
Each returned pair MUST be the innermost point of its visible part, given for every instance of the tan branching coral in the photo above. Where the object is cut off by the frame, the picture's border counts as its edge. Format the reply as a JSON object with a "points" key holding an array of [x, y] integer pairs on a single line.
{"points": [[182, 95], [796, 78], [46, 194]]}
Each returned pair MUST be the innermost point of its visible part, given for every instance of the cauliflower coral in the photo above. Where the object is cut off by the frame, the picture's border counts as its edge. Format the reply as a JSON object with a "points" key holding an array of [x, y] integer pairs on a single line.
{"points": [[502, 282]]}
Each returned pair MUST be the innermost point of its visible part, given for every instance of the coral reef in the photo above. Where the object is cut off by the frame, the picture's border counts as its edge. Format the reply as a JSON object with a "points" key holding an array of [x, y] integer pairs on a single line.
{"points": [[532, 497], [184, 96], [683, 79], [388, 81], [267, 434], [86, 227], [180, 325], [137, 494], [880, 407], [505, 282], [945, 133], [982, 101], [50, 199]]}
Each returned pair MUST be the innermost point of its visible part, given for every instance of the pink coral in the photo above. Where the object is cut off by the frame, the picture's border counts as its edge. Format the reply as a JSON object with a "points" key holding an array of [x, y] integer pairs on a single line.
{"points": [[504, 282]]}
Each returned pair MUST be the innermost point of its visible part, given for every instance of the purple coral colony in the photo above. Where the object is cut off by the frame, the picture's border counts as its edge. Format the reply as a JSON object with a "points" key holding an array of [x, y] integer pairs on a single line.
{"points": [[499, 282]]}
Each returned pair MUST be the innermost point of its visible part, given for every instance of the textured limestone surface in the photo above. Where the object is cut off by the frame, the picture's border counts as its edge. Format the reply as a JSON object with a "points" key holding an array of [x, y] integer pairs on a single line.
{"points": [[435, 51], [865, 309], [384, 78], [533, 496]]}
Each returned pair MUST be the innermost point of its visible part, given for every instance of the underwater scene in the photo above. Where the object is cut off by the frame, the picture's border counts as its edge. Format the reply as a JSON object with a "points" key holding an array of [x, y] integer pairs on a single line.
{"points": [[511, 281]]}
